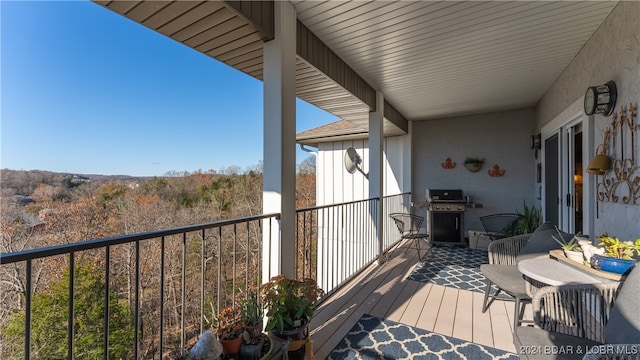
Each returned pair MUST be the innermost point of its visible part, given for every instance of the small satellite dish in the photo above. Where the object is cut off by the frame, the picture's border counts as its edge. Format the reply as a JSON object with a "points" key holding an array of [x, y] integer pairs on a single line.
{"points": [[352, 161]]}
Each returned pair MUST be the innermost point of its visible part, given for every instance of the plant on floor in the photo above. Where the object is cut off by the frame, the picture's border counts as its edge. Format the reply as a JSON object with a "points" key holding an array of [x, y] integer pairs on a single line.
{"points": [[530, 219], [228, 323], [251, 318], [290, 303]]}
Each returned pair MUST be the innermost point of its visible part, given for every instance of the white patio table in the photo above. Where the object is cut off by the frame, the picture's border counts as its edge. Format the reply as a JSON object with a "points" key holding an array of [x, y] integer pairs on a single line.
{"points": [[553, 272]]}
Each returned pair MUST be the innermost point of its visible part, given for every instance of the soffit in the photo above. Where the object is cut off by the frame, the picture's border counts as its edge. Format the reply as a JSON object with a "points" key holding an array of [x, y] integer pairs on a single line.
{"points": [[436, 59], [430, 58], [219, 30]]}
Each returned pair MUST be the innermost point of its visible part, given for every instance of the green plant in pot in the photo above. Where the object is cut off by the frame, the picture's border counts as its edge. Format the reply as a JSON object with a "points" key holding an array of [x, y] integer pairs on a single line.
{"points": [[290, 305], [618, 254], [251, 318], [571, 247], [530, 219], [229, 330], [257, 345], [473, 164]]}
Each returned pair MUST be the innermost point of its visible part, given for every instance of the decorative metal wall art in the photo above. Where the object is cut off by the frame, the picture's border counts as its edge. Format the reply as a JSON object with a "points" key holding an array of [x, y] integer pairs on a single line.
{"points": [[448, 164], [621, 184], [496, 171]]}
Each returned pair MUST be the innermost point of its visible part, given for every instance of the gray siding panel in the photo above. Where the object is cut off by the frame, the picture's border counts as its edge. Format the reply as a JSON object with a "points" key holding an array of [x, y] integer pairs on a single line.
{"points": [[312, 50]]}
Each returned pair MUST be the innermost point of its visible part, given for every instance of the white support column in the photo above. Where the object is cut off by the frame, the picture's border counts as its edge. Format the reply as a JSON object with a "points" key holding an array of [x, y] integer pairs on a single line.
{"points": [[279, 142], [376, 169]]}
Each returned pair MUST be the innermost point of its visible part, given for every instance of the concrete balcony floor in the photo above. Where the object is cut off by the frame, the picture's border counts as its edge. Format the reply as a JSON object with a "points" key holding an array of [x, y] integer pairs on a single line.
{"points": [[384, 291]]}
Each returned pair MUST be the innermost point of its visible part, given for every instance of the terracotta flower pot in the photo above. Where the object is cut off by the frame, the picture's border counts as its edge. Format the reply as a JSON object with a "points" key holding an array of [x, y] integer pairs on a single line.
{"points": [[231, 346]]}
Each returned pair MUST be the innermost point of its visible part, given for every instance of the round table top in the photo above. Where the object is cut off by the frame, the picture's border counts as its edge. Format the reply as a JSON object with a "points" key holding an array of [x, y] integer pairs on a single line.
{"points": [[553, 272]]}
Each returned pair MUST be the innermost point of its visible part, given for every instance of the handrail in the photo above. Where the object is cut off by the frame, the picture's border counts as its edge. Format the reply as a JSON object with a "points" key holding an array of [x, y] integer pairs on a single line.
{"points": [[348, 202], [31, 254], [322, 233]]}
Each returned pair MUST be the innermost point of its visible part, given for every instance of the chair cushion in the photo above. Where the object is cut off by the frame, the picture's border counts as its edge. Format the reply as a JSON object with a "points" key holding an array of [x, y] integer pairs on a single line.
{"points": [[506, 277], [623, 326], [541, 242], [535, 343]]}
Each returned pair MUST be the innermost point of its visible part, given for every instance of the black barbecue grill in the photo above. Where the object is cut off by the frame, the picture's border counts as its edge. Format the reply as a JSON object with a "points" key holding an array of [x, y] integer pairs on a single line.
{"points": [[446, 216]]}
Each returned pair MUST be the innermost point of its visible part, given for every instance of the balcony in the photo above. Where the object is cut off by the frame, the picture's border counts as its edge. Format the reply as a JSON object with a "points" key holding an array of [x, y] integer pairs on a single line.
{"points": [[196, 269]]}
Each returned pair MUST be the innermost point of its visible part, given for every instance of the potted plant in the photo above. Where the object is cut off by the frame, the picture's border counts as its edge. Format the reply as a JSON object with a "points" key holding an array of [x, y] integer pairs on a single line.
{"points": [[229, 330], [290, 305], [251, 319], [529, 221], [473, 164], [618, 255], [571, 248]]}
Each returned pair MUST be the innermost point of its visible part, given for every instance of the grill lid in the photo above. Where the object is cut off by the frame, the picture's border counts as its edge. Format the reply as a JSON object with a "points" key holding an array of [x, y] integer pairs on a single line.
{"points": [[440, 195]]}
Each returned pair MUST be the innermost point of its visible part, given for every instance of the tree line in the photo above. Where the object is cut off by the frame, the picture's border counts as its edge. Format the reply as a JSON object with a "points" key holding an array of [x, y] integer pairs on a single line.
{"points": [[67, 209]]}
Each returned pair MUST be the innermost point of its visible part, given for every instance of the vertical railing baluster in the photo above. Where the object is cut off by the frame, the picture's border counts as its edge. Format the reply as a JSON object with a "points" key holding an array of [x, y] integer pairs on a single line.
{"points": [[259, 255], [219, 269], [162, 265], [136, 311], [325, 252], [27, 317], [107, 300], [246, 262], [233, 281], [184, 288], [203, 271], [71, 306]]}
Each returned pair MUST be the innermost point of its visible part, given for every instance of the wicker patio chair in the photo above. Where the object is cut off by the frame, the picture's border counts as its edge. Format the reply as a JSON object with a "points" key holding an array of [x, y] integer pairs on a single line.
{"points": [[503, 272], [578, 317], [409, 227]]}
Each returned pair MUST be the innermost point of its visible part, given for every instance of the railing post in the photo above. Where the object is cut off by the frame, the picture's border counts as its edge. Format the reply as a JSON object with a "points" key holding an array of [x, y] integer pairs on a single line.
{"points": [[376, 174], [280, 137]]}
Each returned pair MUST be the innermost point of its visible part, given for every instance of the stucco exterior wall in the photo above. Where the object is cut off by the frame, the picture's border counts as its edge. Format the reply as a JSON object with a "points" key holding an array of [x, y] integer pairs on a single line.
{"points": [[500, 138], [613, 53]]}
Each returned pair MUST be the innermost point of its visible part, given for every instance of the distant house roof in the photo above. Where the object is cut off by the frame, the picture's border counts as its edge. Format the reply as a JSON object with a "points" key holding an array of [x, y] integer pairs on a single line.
{"points": [[335, 131]]}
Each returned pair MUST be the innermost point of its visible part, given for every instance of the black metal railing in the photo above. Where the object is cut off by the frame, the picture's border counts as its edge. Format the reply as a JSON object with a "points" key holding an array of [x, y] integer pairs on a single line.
{"points": [[335, 242], [175, 281]]}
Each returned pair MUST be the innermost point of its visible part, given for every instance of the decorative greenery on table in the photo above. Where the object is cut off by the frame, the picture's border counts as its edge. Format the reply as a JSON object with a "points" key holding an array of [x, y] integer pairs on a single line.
{"points": [[614, 247], [571, 244]]}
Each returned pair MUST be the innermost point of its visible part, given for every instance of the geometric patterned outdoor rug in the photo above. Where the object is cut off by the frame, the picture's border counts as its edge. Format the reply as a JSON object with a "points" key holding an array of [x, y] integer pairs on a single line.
{"points": [[453, 267], [375, 338]]}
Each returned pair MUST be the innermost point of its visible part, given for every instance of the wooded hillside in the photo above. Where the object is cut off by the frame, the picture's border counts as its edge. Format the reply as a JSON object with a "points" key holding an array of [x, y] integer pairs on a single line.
{"points": [[40, 209]]}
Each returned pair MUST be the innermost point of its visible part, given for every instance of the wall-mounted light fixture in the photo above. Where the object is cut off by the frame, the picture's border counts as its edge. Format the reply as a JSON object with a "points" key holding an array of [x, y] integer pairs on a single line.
{"points": [[601, 163], [600, 99], [536, 142]]}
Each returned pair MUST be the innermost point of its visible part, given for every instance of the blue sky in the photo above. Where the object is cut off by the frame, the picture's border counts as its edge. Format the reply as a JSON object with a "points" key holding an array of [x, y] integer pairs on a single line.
{"points": [[85, 90]]}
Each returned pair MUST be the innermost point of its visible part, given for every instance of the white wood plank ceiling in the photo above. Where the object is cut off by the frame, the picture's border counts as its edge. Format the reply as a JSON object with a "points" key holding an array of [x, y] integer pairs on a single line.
{"points": [[437, 59], [431, 59]]}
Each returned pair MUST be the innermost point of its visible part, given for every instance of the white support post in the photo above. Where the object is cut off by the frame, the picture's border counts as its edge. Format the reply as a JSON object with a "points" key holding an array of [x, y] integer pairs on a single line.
{"points": [[279, 142], [376, 169]]}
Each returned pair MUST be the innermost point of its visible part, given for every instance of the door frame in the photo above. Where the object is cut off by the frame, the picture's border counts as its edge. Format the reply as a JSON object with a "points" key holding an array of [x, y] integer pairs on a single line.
{"points": [[571, 116]]}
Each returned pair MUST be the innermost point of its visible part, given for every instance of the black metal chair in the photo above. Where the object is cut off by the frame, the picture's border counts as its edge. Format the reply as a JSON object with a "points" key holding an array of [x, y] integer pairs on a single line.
{"points": [[499, 226], [409, 226]]}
